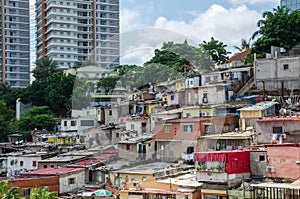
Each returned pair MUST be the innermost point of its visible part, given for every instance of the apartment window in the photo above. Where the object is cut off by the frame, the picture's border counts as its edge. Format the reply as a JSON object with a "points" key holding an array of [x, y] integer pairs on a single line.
{"points": [[127, 147], [132, 126], [207, 128], [65, 123], [187, 128], [110, 112], [71, 180], [45, 166], [285, 66], [277, 130], [34, 163], [21, 163], [166, 128]]}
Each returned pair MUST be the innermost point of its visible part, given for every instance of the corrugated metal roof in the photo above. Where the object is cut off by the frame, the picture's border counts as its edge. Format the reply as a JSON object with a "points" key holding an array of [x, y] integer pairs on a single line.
{"points": [[53, 171], [276, 185], [270, 119]]}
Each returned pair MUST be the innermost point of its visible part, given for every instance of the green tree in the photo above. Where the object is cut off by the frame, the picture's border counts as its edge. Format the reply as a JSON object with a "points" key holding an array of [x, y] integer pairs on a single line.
{"points": [[279, 28], [245, 44], [9, 193], [167, 58], [191, 56], [45, 66], [45, 194], [123, 69], [216, 49], [59, 91], [107, 84], [10, 95], [35, 93], [81, 95], [39, 117], [6, 121]]}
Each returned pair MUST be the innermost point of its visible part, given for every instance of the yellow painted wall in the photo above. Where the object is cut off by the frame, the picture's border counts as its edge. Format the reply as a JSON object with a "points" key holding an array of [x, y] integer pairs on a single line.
{"points": [[251, 113], [195, 112], [164, 98], [180, 85], [149, 107], [209, 111]]}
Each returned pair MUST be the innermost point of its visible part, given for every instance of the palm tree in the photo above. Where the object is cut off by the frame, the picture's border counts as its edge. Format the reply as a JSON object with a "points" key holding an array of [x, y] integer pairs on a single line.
{"points": [[244, 45], [35, 194], [9, 193], [45, 67]]}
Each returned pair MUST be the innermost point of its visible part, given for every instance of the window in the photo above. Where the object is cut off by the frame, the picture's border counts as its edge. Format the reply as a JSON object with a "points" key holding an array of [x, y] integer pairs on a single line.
{"points": [[71, 180], [27, 192], [73, 123], [172, 97], [195, 95], [207, 128], [127, 147], [187, 128], [110, 112], [65, 123], [132, 126], [261, 158], [285, 66], [190, 150], [167, 128], [34, 163], [204, 98], [45, 166], [277, 130], [188, 115], [21, 163]]}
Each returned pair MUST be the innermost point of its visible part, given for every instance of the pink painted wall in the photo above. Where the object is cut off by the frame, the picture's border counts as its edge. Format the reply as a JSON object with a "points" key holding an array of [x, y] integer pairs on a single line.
{"points": [[175, 98], [283, 159]]}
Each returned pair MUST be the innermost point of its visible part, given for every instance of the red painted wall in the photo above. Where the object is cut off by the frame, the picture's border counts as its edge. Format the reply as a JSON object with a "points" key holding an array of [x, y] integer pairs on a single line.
{"points": [[238, 162]]}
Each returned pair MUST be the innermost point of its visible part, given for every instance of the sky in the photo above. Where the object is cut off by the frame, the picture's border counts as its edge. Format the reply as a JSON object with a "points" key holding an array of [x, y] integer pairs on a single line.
{"points": [[146, 24], [228, 21]]}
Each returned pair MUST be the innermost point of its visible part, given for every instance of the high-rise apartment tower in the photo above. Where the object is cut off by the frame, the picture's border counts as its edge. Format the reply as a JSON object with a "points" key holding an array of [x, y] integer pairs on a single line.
{"points": [[71, 31], [15, 43], [291, 4]]}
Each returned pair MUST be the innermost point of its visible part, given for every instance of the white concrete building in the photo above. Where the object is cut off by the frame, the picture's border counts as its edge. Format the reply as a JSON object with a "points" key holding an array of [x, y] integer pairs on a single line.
{"points": [[17, 163], [274, 71], [71, 31], [213, 94]]}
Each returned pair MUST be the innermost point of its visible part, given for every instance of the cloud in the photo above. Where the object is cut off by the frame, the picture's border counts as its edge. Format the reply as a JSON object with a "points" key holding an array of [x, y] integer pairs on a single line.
{"points": [[226, 25], [252, 2], [130, 20]]}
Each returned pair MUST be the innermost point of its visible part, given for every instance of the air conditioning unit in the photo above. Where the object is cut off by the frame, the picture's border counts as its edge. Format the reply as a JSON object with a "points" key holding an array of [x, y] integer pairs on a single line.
{"points": [[203, 114], [270, 169]]}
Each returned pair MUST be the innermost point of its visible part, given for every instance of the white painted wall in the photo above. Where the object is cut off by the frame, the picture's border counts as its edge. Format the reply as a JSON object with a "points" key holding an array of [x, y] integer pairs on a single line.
{"points": [[65, 186], [14, 164]]}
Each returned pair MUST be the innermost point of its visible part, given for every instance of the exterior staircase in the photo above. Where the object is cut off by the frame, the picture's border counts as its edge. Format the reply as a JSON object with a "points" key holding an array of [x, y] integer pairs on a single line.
{"points": [[248, 85]]}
